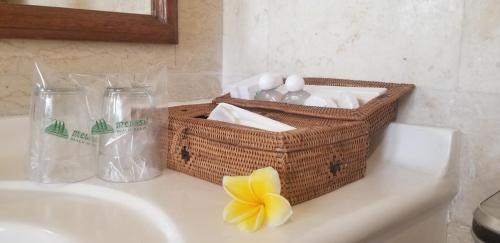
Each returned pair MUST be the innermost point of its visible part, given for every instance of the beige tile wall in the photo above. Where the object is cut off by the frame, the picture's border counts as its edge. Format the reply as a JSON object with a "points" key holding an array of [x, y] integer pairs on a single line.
{"points": [[194, 65], [449, 48]]}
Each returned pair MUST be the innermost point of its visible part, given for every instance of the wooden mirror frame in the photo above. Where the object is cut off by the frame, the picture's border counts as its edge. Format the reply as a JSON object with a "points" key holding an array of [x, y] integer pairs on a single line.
{"points": [[38, 22]]}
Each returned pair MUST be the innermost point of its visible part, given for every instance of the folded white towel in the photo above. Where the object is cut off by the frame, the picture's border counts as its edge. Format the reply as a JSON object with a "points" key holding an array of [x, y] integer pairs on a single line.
{"points": [[235, 115]]}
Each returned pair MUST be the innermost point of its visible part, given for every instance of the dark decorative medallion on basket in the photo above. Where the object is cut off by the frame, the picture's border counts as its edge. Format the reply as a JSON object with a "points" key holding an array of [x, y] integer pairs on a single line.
{"points": [[335, 167], [185, 154]]}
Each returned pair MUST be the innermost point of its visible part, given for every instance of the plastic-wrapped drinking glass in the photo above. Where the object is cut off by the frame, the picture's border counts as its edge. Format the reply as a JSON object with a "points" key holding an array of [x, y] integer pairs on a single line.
{"points": [[127, 144], [61, 148]]}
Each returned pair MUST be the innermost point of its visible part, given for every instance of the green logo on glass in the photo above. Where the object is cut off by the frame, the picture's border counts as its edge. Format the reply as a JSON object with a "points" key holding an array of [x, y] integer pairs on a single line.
{"points": [[57, 129], [101, 127]]}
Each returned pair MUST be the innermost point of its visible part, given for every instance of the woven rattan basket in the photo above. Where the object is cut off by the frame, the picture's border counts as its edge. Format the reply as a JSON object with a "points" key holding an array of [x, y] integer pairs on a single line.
{"points": [[377, 113], [318, 157]]}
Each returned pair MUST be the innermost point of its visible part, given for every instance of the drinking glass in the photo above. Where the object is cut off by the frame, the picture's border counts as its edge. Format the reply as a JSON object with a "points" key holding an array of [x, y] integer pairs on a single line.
{"points": [[127, 146], [61, 147]]}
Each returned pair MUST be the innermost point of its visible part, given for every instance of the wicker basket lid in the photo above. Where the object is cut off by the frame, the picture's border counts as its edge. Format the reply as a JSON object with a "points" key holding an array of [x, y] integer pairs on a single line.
{"points": [[394, 92], [190, 120]]}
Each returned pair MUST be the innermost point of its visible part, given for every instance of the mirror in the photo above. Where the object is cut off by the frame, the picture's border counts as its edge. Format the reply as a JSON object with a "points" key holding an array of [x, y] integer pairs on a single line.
{"points": [[120, 6], [150, 21]]}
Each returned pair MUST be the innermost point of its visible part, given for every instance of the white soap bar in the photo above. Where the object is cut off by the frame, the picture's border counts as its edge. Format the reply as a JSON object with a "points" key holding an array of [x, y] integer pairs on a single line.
{"points": [[294, 83], [269, 81], [319, 101], [347, 100], [235, 115]]}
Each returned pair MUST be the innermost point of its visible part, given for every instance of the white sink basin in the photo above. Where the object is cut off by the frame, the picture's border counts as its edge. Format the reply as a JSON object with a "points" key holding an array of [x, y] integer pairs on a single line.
{"points": [[78, 213], [28, 233]]}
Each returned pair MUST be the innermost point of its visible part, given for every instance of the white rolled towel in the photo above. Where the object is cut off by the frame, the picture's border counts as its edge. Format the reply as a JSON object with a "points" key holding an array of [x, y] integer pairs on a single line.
{"points": [[347, 100], [320, 101]]}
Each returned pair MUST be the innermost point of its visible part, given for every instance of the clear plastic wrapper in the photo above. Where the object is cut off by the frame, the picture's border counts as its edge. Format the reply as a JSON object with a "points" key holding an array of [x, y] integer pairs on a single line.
{"points": [[62, 148], [123, 114]]}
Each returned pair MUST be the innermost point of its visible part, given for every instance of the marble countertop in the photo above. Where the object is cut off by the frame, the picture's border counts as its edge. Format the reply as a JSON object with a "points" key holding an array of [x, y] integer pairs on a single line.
{"points": [[391, 193]]}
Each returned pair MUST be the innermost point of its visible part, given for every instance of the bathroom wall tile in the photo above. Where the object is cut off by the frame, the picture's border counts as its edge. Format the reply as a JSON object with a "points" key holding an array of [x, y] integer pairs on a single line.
{"points": [[18, 48], [16, 63], [459, 234], [468, 112], [108, 57], [192, 86], [12, 64], [14, 94], [479, 173], [243, 61], [473, 115], [404, 41], [477, 112], [478, 108], [476, 116], [480, 67], [478, 120], [72, 49], [245, 38], [88, 57], [199, 54], [429, 107], [227, 79], [200, 17], [200, 36], [242, 16]]}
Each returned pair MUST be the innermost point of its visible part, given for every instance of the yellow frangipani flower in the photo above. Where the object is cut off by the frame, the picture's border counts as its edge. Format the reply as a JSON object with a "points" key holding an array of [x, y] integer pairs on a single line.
{"points": [[256, 200]]}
